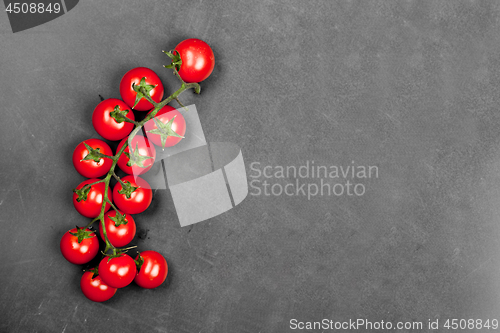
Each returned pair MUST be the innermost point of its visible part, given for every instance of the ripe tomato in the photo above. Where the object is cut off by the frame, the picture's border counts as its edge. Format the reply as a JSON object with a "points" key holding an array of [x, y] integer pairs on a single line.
{"points": [[173, 129], [141, 149], [121, 234], [138, 201], [91, 206], [117, 272], [106, 125], [153, 270], [79, 252], [197, 58], [90, 168], [94, 288], [152, 83]]}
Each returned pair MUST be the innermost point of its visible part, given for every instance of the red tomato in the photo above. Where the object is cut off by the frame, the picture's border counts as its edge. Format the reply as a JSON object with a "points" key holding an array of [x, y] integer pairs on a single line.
{"points": [[121, 234], [79, 252], [153, 270], [108, 127], [197, 58], [141, 148], [139, 200], [172, 133], [91, 168], [117, 272], [152, 83], [91, 207], [94, 288]]}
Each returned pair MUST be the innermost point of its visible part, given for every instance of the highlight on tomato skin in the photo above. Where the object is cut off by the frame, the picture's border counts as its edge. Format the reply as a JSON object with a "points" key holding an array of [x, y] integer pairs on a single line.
{"points": [[153, 270], [94, 288]]}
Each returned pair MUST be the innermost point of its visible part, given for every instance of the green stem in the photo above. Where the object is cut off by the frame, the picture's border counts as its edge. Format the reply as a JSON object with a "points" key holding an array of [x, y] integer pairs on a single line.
{"points": [[92, 222], [113, 206], [118, 179], [92, 184], [131, 121], [105, 156], [182, 105]]}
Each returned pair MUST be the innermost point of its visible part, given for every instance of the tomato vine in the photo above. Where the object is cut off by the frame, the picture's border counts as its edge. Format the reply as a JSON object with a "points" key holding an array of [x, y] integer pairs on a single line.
{"points": [[141, 90]]}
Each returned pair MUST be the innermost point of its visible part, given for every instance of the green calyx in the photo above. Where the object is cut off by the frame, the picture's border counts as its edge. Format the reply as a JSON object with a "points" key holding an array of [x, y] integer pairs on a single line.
{"points": [[137, 89], [82, 233], [128, 189], [94, 154], [164, 130], [135, 158], [113, 255], [119, 219], [120, 115], [139, 261], [176, 59], [82, 193]]}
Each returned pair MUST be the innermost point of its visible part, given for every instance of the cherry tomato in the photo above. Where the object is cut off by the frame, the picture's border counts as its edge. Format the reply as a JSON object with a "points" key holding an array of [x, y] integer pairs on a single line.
{"points": [[106, 125], [171, 133], [152, 84], [139, 200], [94, 288], [153, 270], [141, 149], [79, 252], [121, 234], [197, 58], [117, 272], [90, 168], [91, 206]]}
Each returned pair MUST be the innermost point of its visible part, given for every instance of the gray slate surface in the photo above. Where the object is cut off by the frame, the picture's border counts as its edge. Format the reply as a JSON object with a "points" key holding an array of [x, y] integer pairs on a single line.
{"points": [[412, 87]]}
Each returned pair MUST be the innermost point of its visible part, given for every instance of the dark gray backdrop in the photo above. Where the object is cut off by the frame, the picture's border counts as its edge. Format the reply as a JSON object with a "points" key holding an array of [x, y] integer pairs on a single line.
{"points": [[412, 87]]}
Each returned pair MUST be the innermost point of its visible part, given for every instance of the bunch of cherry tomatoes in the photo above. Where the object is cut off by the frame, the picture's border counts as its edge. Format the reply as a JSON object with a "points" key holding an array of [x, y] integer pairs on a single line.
{"points": [[113, 119]]}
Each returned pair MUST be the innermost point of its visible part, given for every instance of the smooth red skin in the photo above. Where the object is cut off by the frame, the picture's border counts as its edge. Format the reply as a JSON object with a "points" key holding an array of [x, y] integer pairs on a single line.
{"points": [[134, 76], [164, 115], [79, 253], [117, 272], [153, 271], [198, 60], [95, 289], [121, 235], [145, 149], [106, 126], [89, 168], [139, 200], [92, 206]]}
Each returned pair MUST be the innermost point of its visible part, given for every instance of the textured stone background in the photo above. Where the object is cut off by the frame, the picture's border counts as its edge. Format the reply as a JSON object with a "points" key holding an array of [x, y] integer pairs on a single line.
{"points": [[412, 87]]}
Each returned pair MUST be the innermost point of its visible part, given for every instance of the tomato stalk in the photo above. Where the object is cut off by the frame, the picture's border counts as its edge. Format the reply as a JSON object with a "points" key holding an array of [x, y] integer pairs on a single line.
{"points": [[113, 206], [119, 179]]}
